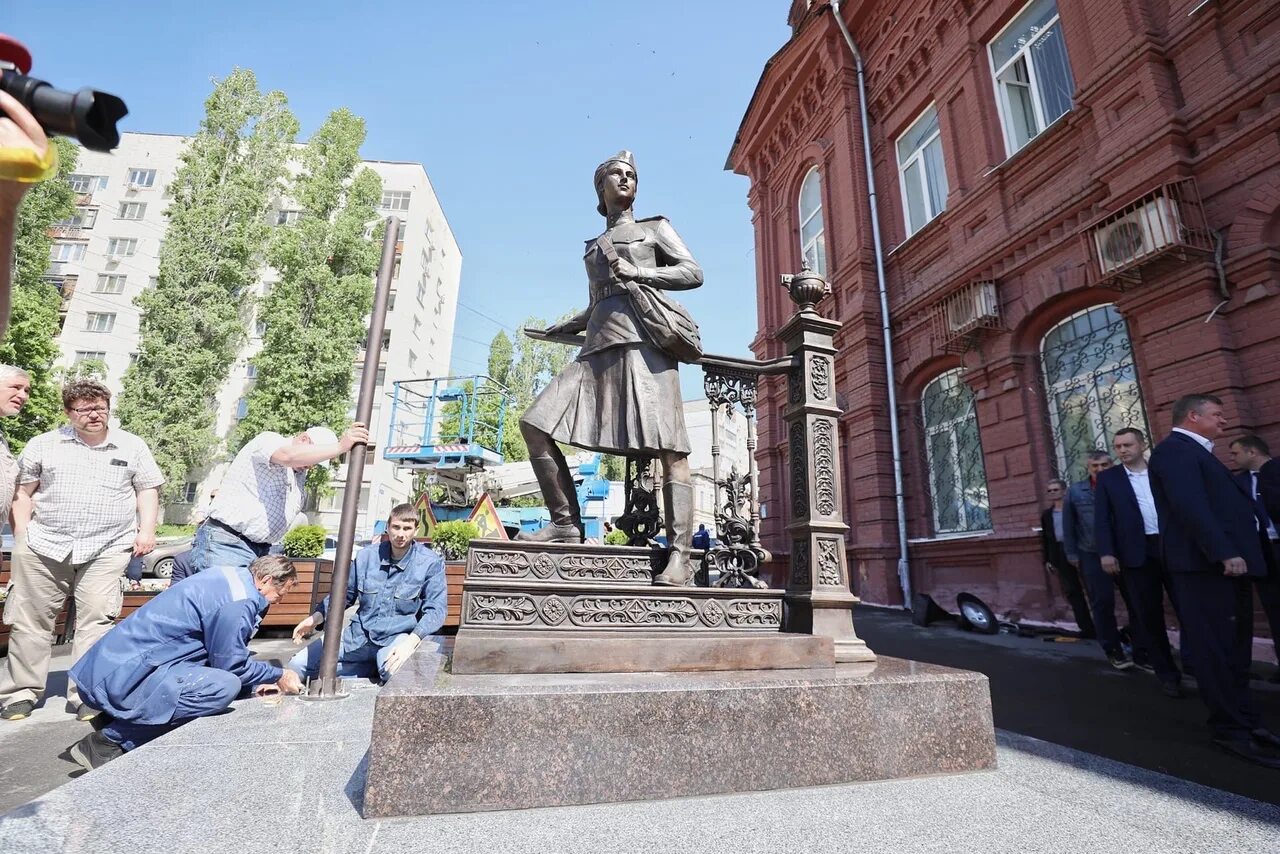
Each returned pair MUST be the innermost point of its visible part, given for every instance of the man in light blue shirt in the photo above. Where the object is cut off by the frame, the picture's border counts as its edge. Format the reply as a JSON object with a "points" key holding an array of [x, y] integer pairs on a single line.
{"points": [[400, 585]]}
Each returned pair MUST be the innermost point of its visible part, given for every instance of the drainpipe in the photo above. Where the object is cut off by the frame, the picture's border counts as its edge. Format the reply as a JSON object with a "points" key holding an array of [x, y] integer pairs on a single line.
{"points": [[904, 573]]}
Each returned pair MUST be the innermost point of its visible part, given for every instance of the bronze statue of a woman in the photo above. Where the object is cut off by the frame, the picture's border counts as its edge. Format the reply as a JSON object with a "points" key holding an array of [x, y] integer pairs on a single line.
{"points": [[622, 394]]}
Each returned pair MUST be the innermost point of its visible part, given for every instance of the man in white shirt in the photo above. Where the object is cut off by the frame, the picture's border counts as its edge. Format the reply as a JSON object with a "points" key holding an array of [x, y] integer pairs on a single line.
{"points": [[1128, 537], [1209, 531], [88, 497], [1260, 476], [262, 493]]}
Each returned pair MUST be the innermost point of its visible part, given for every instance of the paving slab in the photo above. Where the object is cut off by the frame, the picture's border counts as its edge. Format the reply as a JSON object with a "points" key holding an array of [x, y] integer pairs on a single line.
{"points": [[290, 778]]}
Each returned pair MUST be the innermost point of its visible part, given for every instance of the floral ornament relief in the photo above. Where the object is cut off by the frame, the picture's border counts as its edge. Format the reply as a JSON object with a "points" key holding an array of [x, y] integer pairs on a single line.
{"points": [[824, 466], [820, 374]]}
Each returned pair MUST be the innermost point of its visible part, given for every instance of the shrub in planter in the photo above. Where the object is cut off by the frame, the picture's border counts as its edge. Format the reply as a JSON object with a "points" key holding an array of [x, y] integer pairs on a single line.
{"points": [[452, 539], [616, 537], [304, 541]]}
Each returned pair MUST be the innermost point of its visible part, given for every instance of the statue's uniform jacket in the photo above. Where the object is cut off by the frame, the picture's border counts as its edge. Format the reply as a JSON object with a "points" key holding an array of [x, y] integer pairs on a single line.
{"points": [[664, 261], [622, 394]]}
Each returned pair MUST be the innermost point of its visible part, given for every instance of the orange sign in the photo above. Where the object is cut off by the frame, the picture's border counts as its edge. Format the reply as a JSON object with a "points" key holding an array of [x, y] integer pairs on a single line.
{"points": [[426, 519], [485, 517]]}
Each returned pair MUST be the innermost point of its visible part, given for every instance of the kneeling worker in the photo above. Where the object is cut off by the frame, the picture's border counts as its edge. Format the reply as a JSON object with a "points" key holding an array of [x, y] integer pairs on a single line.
{"points": [[183, 655], [400, 585]]}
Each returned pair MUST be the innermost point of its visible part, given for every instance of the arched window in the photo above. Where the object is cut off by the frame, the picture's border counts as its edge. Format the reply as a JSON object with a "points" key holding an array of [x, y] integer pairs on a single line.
{"points": [[957, 476], [812, 247], [1091, 385]]}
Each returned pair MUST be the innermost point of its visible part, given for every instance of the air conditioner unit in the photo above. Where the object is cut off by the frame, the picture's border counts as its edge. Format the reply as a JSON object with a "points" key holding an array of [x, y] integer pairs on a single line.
{"points": [[1138, 233], [975, 306]]}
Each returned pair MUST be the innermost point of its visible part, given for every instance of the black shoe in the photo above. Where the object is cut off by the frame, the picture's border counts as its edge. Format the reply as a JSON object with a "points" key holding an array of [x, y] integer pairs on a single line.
{"points": [[1172, 690], [82, 711], [17, 711], [1266, 737], [94, 751], [1144, 666], [1275, 678], [1250, 751], [1119, 660]]}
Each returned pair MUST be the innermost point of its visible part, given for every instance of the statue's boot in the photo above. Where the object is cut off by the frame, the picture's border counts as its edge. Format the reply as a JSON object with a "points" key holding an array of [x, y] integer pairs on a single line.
{"points": [[677, 504], [561, 499]]}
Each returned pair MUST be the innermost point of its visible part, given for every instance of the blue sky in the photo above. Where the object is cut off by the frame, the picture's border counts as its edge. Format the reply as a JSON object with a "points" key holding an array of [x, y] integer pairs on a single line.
{"points": [[509, 105]]}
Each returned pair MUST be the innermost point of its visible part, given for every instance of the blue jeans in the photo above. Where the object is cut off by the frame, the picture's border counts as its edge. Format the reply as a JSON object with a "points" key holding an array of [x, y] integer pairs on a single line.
{"points": [[368, 661], [204, 691], [216, 546]]}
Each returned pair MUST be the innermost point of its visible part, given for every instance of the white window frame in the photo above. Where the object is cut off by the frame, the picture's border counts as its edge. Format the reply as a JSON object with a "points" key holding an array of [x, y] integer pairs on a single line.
{"points": [[121, 247], [1003, 107], [64, 251], [242, 408], [99, 321], [820, 238], [81, 183], [190, 492], [110, 283], [84, 217], [88, 355], [917, 158], [1097, 419], [288, 216], [396, 200], [259, 328], [950, 429], [140, 178], [131, 207]]}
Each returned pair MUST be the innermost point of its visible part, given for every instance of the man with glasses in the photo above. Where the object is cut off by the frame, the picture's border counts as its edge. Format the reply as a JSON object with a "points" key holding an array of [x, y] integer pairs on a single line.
{"points": [[1055, 557], [88, 497]]}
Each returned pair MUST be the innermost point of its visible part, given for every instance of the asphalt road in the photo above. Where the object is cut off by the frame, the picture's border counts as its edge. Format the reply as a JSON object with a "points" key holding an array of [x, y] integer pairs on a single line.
{"points": [[1066, 693]]}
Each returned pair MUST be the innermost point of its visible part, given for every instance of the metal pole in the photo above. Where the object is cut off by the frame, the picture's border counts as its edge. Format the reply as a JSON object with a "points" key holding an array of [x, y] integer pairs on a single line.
{"points": [[328, 685], [886, 329]]}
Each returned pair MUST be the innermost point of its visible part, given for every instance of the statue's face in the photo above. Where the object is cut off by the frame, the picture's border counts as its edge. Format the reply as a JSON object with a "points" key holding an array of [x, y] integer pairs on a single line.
{"points": [[618, 185]]}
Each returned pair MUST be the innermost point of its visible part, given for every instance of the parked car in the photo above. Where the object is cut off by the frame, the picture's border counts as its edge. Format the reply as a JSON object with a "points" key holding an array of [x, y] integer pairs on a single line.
{"points": [[159, 563], [331, 547]]}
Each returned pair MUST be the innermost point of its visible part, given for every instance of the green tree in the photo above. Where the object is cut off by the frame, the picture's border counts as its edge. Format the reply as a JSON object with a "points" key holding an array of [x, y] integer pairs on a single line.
{"points": [[500, 357], [31, 342], [85, 369], [315, 314], [193, 321]]}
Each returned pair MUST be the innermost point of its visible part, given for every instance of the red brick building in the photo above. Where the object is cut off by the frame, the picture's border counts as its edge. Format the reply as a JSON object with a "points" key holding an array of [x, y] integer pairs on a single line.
{"points": [[1080, 209]]}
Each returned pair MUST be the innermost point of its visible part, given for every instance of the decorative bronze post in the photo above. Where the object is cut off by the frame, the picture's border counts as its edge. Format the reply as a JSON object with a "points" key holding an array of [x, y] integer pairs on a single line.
{"points": [[819, 600], [327, 685]]}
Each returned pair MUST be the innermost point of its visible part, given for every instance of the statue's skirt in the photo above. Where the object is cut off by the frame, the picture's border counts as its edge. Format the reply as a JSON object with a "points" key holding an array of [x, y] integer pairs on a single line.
{"points": [[622, 400]]}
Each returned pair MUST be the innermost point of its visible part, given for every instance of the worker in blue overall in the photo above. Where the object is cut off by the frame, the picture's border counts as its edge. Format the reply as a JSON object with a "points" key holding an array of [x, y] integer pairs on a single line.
{"points": [[183, 655], [400, 585]]}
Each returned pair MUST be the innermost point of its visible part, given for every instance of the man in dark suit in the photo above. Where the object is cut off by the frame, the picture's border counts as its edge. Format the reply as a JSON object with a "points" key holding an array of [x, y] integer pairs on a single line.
{"points": [[1055, 558], [1209, 530], [1078, 528], [1128, 537], [1260, 475]]}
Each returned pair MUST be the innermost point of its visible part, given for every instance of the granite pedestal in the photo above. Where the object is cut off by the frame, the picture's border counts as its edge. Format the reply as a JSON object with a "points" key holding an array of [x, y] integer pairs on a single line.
{"points": [[447, 743]]}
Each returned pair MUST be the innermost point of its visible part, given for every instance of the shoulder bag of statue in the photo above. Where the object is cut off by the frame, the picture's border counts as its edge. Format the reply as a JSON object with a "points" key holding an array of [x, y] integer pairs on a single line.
{"points": [[667, 323]]}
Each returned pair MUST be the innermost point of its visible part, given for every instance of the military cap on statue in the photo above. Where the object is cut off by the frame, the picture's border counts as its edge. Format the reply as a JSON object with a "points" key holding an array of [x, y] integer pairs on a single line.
{"points": [[622, 156]]}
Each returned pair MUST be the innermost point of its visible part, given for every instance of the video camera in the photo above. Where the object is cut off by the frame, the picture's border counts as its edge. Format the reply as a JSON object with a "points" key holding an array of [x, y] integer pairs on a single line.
{"points": [[88, 116]]}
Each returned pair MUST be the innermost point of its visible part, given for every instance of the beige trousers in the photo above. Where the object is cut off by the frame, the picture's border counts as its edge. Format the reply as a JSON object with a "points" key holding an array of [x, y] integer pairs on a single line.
{"points": [[37, 589]]}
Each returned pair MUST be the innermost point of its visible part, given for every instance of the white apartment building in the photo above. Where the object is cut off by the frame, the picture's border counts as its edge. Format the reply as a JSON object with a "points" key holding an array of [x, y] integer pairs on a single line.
{"points": [[109, 252]]}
